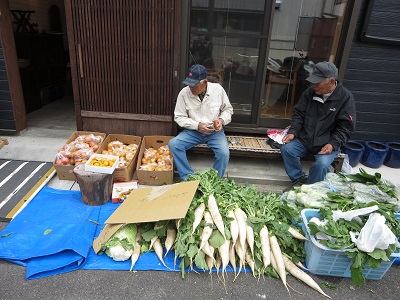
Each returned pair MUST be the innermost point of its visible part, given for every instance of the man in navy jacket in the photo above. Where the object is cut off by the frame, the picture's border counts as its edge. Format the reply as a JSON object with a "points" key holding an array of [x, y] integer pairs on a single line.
{"points": [[321, 124]]}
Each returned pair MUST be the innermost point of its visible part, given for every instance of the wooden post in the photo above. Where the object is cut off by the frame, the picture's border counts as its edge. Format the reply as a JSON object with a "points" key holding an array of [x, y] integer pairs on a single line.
{"points": [[96, 188]]}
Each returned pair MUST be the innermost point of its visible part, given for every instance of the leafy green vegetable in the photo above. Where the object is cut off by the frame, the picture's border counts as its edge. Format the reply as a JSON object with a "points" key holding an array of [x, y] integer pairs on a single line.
{"points": [[121, 245]]}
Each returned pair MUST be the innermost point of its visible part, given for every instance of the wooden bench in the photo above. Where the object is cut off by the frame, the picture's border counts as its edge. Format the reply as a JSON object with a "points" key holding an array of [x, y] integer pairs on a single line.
{"points": [[258, 147]]}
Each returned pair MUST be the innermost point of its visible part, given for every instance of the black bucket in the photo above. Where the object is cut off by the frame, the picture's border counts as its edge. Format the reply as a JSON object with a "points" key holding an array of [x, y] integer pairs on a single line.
{"points": [[393, 157], [355, 151], [374, 154]]}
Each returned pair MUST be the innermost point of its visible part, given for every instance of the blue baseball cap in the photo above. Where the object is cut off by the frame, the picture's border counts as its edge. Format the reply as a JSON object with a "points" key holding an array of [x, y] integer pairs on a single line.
{"points": [[195, 74]]}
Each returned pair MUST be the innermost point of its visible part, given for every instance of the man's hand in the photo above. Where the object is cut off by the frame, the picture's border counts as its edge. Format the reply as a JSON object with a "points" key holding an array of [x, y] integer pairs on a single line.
{"points": [[327, 149], [287, 138], [205, 128], [218, 124]]}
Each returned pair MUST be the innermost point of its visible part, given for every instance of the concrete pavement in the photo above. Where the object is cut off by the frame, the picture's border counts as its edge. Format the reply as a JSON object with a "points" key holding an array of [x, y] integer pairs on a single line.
{"points": [[48, 130]]}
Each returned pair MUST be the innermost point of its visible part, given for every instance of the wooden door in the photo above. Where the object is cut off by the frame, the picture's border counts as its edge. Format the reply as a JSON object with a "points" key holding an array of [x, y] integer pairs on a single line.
{"points": [[124, 60]]}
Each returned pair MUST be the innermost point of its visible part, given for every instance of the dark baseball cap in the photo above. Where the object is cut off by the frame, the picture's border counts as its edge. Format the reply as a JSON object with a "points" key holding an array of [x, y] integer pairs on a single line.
{"points": [[195, 74], [323, 70]]}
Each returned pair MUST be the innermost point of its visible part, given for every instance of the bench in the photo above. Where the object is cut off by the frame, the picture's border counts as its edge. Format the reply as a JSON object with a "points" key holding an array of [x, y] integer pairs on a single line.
{"points": [[258, 147]]}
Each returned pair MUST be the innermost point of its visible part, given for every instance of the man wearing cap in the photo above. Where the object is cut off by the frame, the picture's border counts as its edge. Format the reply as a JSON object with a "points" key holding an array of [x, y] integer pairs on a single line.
{"points": [[202, 109], [321, 123]]}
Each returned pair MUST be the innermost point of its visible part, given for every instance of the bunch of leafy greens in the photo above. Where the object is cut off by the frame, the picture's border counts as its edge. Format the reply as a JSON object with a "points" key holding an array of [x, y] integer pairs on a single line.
{"points": [[121, 245], [339, 231], [261, 209]]}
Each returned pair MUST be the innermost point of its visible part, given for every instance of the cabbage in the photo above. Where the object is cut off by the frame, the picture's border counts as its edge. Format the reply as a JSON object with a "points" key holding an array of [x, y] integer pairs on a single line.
{"points": [[121, 245]]}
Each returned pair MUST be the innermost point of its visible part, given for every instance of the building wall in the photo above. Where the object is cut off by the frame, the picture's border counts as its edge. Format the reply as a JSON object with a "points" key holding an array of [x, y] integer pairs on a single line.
{"points": [[373, 73], [6, 111], [41, 14]]}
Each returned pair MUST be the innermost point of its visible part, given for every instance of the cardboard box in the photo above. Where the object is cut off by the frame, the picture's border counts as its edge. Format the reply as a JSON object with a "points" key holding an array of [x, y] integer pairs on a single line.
{"points": [[149, 204], [65, 172], [123, 174], [98, 169], [153, 177], [121, 190]]}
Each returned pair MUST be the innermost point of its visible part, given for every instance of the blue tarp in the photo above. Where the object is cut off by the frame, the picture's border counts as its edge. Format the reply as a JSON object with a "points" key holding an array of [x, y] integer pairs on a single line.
{"points": [[53, 234]]}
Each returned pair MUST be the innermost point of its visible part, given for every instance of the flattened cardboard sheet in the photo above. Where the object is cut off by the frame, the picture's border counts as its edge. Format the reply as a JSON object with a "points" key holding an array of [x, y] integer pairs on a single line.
{"points": [[152, 204]]}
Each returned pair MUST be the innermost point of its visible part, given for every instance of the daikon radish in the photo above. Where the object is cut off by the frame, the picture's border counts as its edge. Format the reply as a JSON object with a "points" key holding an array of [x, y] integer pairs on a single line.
{"points": [[215, 214], [250, 238], [250, 262], [224, 254], [210, 261], [241, 220], [276, 251], [170, 239], [207, 230], [299, 274], [234, 227], [158, 249], [154, 238], [295, 233], [232, 257], [136, 251], [198, 216], [265, 247], [208, 250], [178, 223]]}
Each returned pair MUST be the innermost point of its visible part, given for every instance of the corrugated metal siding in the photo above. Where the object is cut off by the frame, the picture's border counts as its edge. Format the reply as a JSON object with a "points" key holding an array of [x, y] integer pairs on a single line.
{"points": [[372, 74], [7, 122]]}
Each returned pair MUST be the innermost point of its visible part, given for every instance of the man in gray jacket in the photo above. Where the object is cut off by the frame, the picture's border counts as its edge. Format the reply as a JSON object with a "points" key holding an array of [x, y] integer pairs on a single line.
{"points": [[321, 124]]}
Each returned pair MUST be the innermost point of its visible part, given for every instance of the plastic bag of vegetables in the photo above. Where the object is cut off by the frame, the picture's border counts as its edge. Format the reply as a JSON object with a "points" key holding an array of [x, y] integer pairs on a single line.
{"points": [[121, 245]]}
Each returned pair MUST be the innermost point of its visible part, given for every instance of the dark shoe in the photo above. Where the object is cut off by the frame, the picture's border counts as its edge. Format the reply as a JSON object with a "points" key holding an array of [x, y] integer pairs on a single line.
{"points": [[299, 182]]}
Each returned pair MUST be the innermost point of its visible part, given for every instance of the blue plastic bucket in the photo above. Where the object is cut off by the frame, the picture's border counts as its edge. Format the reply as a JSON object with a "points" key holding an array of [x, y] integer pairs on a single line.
{"points": [[393, 157], [374, 154], [355, 151]]}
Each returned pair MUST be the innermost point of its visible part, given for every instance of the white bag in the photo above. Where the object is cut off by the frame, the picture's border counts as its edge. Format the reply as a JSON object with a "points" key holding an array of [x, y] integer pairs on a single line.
{"points": [[374, 235]]}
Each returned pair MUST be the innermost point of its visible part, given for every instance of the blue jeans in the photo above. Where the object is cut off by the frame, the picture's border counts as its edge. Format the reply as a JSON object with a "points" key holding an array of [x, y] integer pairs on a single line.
{"points": [[187, 139], [293, 151]]}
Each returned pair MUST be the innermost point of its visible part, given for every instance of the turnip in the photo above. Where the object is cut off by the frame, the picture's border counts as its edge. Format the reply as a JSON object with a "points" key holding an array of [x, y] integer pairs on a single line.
{"points": [[215, 214], [299, 274]]}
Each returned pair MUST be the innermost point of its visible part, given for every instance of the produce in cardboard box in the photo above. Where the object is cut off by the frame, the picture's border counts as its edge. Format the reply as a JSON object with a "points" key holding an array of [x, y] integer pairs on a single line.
{"points": [[157, 160], [125, 152], [79, 150]]}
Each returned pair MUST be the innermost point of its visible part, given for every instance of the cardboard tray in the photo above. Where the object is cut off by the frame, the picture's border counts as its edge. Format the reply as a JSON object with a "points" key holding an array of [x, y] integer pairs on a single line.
{"points": [[65, 172], [105, 170], [153, 177], [322, 260], [123, 174]]}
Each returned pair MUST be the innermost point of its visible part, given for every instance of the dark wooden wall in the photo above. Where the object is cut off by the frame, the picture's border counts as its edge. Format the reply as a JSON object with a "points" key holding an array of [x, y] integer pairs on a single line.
{"points": [[373, 74], [7, 122], [12, 107], [124, 59]]}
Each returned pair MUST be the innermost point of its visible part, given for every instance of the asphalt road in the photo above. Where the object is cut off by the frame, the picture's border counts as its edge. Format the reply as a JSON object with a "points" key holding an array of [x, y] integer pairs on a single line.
{"points": [[89, 284]]}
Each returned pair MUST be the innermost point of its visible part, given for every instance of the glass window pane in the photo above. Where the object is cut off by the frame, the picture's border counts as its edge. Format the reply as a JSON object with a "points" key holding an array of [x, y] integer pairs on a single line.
{"points": [[233, 63], [303, 33], [228, 16]]}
